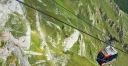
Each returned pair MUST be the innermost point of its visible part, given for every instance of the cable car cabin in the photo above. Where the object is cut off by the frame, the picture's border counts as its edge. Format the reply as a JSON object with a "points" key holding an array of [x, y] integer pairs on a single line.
{"points": [[106, 56]]}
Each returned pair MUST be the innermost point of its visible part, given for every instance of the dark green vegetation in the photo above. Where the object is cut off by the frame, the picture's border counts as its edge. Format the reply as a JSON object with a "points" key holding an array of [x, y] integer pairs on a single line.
{"points": [[123, 4]]}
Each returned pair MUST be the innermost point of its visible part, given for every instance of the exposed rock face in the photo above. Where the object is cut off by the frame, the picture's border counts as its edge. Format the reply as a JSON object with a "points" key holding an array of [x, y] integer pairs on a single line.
{"points": [[13, 46], [71, 40]]}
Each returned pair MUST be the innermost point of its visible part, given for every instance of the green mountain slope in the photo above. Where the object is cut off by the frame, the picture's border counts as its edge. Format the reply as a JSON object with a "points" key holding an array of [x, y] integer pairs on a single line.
{"points": [[53, 43]]}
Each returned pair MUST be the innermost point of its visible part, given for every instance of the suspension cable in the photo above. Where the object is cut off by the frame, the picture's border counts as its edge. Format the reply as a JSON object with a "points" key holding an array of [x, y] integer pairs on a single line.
{"points": [[76, 16], [65, 23], [81, 19]]}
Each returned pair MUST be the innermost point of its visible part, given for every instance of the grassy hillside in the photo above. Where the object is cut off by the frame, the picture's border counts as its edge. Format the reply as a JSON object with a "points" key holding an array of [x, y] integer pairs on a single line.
{"points": [[102, 19]]}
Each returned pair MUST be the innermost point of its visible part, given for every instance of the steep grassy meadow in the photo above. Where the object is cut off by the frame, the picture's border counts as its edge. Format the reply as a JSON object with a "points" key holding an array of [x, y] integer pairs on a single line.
{"points": [[53, 43]]}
